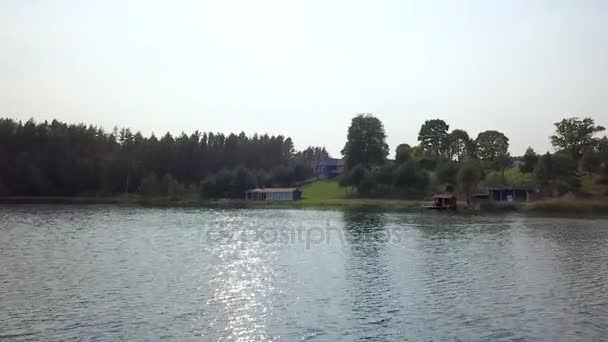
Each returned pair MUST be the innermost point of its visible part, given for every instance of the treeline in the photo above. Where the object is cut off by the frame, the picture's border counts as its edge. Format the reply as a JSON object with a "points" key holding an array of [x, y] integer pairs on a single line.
{"points": [[446, 159], [59, 159]]}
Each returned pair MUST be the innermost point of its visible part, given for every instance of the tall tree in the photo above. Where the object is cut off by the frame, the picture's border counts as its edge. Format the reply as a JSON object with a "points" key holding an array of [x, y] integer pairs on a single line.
{"points": [[460, 145], [311, 155], [366, 142], [544, 173], [573, 134], [403, 153], [590, 161], [410, 176], [468, 177], [530, 160], [433, 135], [557, 173], [491, 145]]}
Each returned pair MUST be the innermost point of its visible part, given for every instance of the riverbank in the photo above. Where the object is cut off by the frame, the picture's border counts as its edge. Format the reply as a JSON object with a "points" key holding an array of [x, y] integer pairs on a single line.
{"points": [[550, 206]]}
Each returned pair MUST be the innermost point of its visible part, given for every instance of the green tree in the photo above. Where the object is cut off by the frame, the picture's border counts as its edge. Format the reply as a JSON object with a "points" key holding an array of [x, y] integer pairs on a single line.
{"points": [[460, 145], [602, 150], [468, 176], [433, 136], [491, 145], [410, 175], [446, 172], [366, 142], [417, 153], [557, 173], [573, 134], [384, 174], [567, 177], [149, 186], [544, 173], [530, 160], [403, 153], [359, 177], [242, 181], [590, 160], [502, 162]]}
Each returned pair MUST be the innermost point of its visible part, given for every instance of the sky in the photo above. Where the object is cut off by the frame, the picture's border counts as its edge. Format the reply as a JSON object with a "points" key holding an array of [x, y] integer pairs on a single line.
{"points": [[304, 68]]}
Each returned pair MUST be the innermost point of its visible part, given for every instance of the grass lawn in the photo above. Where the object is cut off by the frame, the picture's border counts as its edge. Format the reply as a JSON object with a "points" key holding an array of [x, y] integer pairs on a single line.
{"points": [[323, 190], [329, 193]]}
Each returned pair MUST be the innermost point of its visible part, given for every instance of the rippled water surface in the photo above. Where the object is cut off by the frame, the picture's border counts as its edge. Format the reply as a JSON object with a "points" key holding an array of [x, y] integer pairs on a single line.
{"points": [[110, 273]]}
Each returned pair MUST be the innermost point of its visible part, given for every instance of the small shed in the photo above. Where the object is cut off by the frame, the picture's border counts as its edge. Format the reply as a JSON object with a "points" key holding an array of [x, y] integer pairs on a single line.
{"points": [[510, 194], [273, 194]]}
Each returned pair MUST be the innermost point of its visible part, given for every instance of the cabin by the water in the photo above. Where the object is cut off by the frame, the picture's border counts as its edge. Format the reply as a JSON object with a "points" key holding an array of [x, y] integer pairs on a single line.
{"points": [[328, 168], [273, 194], [441, 201]]}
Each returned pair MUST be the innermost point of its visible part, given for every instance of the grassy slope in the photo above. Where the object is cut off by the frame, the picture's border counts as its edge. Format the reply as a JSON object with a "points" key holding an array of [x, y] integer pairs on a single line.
{"points": [[323, 190], [330, 193]]}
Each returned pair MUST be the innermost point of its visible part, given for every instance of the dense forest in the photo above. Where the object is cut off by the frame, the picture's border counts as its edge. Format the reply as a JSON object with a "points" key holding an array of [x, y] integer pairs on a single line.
{"points": [[59, 159], [446, 159]]}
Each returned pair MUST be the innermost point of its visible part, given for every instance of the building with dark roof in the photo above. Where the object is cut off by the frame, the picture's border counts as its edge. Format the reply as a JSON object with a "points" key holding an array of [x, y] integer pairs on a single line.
{"points": [[328, 168]]}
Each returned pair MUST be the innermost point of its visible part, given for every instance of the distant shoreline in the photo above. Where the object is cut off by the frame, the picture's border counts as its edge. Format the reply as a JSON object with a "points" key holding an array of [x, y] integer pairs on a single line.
{"points": [[550, 206]]}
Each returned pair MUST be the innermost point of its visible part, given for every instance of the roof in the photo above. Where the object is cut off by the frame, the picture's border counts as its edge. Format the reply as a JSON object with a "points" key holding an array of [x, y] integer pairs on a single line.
{"points": [[267, 190], [509, 189], [444, 196], [330, 162], [480, 195]]}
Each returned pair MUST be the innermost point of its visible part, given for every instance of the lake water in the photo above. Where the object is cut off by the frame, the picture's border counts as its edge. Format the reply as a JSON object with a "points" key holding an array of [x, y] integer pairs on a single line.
{"points": [[112, 273]]}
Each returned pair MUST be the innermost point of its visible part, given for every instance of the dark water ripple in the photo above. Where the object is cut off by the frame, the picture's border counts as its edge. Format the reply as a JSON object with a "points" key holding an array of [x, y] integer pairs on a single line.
{"points": [[107, 273]]}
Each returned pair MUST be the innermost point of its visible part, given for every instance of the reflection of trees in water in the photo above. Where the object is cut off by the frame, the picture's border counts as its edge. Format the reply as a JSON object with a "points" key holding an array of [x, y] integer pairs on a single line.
{"points": [[371, 292], [442, 232], [365, 231]]}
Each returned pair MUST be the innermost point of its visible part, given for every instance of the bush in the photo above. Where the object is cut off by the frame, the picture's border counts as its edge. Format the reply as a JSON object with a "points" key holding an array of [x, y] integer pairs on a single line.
{"points": [[302, 171], [175, 189], [242, 181], [469, 175], [166, 186], [149, 186], [403, 153], [558, 172], [446, 172], [512, 177], [217, 185], [428, 163], [410, 175], [282, 176], [385, 174], [360, 178]]}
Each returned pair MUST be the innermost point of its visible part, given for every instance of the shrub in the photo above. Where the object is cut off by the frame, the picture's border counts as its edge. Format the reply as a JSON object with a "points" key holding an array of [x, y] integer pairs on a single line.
{"points": [[411, 175], [446, 172]]}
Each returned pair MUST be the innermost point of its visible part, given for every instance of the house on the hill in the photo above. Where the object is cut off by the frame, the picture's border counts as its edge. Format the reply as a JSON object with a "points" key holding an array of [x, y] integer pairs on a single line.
{"points": [[329, 168], [273, 194]]}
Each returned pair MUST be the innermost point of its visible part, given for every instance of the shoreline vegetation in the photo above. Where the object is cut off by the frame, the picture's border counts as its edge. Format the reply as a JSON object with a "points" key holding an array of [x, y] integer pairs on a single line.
{"points": [[59, 163], [320, 194], [546, 206]]}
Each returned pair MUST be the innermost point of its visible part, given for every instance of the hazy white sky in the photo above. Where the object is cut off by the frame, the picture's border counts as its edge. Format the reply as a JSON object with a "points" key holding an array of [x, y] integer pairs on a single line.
{"points": [[304, 68]]}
